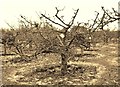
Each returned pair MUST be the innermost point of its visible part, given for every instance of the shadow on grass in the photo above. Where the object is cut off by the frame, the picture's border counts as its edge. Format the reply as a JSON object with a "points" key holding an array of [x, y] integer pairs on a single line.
{"points": [[21, 60], [7, 54], [92, 50], [52, 74], [86, 55]]}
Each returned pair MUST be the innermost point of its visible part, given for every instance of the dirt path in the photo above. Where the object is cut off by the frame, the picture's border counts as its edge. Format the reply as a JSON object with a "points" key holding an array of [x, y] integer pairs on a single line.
{"points": [[110, 62]]}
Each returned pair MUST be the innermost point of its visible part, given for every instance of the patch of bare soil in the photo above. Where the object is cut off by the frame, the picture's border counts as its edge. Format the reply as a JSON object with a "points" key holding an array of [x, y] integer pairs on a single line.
{"points": [[51, 75], [39, 73], [96, 67]]}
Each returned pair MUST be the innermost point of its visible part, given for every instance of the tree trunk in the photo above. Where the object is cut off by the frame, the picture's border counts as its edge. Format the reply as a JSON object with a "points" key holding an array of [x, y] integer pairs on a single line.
{"points": [[64, 63], [82, 51], [106, 40], [5, 49]]}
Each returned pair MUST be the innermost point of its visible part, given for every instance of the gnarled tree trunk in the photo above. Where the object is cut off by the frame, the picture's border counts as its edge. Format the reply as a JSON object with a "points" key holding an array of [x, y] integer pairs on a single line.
{"points": [[64, 60], [64, 64]]}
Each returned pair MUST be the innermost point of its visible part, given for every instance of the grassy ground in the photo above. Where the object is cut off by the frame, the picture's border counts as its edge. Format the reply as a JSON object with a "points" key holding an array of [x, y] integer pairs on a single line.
{"points": [[100, 69]]}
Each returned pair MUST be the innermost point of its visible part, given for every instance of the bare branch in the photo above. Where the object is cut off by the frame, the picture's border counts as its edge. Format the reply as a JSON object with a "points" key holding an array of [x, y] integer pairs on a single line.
{"points": [[71, 41], [101, 21], [116, 13], [52, 21], [73, 18], [60, 40], [29, 22], [59, 17], [40, 17], [9, 25], [70, 24], [95, 19], [105, 12], [106, 18], [26, 19]]}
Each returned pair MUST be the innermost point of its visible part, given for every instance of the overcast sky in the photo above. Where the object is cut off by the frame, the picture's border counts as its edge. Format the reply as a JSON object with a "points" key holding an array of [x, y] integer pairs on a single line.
{"points": [[11, 9]]}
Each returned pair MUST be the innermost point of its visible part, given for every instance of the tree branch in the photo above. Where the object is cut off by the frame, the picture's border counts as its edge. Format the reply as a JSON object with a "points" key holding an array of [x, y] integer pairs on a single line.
{"points": [[73, 18], [59, 17], [52, 21], [95, 20]]}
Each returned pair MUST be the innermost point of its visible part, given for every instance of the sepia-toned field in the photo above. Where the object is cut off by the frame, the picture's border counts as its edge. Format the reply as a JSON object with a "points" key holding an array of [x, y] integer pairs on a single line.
{"points": [[97, 67]]}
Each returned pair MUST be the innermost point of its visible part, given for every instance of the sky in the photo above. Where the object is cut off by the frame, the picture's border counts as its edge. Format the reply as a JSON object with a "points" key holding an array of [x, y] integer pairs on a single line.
{"points": [[10, 10]]}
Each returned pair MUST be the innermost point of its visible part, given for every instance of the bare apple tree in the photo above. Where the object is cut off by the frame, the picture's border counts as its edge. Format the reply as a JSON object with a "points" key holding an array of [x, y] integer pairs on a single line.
{"points": [[98, 23], [46, 38], [101, 21], [8, 39], [66, 40]]}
